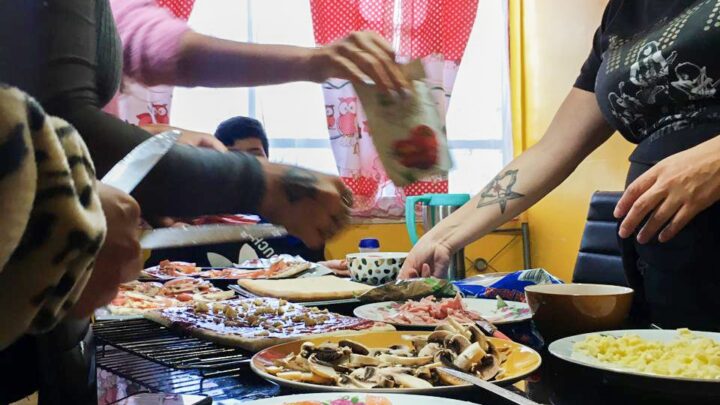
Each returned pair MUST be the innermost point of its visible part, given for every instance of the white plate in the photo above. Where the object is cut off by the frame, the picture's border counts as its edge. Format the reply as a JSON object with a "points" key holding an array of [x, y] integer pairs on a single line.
{"points": [[396, 399], [487, 308], [563, 349]]}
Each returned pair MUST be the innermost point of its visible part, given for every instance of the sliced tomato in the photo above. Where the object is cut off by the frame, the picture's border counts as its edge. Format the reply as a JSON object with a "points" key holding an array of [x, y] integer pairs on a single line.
{"points": [[184, 297]]}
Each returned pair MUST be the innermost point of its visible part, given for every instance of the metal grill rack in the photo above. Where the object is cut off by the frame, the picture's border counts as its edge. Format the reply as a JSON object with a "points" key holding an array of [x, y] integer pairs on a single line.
{"points": [[162, 360]]}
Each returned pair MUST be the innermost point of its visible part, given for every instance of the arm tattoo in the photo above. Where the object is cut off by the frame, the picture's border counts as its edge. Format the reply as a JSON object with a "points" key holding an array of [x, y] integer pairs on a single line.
{"points": [[499, 191], [298, 184]]}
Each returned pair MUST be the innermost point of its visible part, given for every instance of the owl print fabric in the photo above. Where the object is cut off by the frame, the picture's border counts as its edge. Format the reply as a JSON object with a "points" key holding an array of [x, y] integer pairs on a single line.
{"points": [[654, 67]]}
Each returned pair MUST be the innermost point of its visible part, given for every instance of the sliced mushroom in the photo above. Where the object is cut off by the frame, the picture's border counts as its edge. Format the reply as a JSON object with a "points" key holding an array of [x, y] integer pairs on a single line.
{"points": [[322, 370], [307, 349], [459, 327], [439, 336], [332, 353], [426, 372], [405, 361], [418, 342], [357, 348], [365, 374], [409, 381], [385, 381], [292, 362], [358, 360], [431, 349], [488, 367], [446, 327], [348, 381], [304, 377], [401, 350], [446, 358], [471, 355], [457, 343], [479, 336], [291, 375], [449, 379]]}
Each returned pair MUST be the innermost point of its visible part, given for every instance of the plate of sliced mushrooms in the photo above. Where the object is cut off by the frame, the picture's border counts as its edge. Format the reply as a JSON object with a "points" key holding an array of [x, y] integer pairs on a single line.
{"points": [[402, 361]]}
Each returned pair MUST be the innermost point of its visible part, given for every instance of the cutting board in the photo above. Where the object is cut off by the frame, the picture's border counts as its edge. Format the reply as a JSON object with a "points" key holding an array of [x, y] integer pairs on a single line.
{"points": [[306, 289]]}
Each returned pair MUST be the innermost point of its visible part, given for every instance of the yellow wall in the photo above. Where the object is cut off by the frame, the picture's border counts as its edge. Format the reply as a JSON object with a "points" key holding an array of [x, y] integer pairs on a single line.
{"points": [[550, 40], [394, 237]]}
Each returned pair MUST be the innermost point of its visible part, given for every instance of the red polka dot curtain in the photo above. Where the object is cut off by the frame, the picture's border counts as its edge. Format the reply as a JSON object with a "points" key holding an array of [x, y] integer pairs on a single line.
{"points": [[436, 31], [180, 8]]}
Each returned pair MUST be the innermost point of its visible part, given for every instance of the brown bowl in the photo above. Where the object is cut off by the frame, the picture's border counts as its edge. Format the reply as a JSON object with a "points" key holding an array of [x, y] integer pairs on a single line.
{"points": [[561, 310]]}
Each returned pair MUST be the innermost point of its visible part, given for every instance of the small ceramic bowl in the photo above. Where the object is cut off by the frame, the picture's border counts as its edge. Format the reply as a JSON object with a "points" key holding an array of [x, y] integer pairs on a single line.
{"points": [[561, 310], [375, 268]]}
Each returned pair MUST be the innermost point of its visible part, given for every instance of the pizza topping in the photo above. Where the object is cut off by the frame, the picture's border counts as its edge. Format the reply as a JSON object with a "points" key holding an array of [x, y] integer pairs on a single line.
{"points": [[244, 317], [352, 365], [138, 297], [201, 307]]}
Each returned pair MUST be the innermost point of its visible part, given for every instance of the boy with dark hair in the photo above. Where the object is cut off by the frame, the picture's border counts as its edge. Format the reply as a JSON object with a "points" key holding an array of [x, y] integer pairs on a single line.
{"points": [[244, 134]]}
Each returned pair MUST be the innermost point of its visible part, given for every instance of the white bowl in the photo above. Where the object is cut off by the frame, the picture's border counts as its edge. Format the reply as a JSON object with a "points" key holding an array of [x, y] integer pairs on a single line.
{"points": [[375, 268]]}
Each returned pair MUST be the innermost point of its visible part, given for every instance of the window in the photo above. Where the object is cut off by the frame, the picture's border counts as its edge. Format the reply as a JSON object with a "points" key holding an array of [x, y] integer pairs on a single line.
{"points": [[294, 116]]}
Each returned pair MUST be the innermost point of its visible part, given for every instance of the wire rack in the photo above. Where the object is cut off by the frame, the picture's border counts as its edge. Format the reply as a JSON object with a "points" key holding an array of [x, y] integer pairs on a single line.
{"points": [[163, 360]]}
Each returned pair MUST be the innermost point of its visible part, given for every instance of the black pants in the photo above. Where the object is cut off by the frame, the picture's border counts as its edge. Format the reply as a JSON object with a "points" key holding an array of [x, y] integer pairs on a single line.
{"points": [[679, 280]]}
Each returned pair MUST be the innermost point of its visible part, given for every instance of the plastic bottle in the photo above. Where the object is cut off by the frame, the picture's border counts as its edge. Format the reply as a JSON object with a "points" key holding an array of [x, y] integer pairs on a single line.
{"points": [[369, 245]]}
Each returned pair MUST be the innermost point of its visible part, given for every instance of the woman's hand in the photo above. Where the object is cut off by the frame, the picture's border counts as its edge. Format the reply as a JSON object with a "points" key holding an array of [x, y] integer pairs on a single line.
{"points": [[428, 258], [358, 57], [671, 193], [120, 258]]}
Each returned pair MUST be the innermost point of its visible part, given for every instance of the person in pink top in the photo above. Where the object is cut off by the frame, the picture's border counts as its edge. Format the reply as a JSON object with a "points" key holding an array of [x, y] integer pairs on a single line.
{"points": [[161, 49]]}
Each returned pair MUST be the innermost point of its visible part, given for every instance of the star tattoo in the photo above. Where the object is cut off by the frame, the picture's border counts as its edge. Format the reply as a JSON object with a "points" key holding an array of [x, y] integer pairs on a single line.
{"points": [[499, 191]]}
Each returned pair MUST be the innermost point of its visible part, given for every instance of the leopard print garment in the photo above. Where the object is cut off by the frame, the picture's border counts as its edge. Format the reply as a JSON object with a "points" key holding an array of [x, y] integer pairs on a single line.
{"points": [[51, 220]]}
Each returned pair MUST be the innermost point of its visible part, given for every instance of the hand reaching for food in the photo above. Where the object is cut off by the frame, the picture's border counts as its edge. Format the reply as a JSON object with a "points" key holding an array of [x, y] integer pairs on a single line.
{"points": [[428, 258], [312, 206]]}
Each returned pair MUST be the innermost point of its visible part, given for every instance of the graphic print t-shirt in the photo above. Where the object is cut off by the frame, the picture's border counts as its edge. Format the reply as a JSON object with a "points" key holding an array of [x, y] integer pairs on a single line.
{"points": [[655, 72]]}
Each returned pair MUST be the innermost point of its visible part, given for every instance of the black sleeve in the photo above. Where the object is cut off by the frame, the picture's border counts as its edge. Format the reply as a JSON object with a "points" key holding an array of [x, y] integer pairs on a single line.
{"points": [[188, 181], [588, 72]]}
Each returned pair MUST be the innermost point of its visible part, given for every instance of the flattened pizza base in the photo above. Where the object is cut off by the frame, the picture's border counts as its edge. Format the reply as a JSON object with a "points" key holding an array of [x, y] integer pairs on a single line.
{"points": [[306, 289], [255, 344]]}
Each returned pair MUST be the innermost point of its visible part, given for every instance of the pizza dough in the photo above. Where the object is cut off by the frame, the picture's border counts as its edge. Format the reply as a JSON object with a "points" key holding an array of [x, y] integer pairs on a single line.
{"points": [[306, 289], [257, 323]]}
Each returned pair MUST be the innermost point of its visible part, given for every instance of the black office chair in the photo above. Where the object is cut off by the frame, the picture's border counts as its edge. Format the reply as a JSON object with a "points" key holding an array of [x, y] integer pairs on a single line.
{"points": [[599, 260]]}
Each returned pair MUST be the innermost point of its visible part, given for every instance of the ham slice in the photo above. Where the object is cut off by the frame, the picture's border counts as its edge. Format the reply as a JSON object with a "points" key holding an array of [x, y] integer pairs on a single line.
{"points": [[430, 311]]}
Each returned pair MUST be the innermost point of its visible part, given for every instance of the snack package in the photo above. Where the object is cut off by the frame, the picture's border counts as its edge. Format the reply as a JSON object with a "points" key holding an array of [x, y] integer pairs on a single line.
{"points": [[412, 289], [408, 133], [510, 286]]}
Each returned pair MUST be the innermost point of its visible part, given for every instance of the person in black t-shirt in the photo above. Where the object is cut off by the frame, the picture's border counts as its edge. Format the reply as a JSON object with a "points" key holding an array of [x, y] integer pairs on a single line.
{"points": [[652, 75]]}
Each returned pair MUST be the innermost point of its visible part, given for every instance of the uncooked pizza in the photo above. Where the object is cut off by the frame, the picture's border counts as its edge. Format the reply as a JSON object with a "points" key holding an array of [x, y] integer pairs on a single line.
{"points": [[168, 269], [256, 323], [276, 269], [137, 297]]}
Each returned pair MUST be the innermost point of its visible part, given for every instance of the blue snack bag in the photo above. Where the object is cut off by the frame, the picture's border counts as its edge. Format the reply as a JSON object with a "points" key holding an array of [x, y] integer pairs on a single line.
{"points": [[508, 286]]}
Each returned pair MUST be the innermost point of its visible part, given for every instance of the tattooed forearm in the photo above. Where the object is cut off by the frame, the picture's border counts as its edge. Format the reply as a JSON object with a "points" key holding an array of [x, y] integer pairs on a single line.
{"points": [[499, 190], [298, 184]]}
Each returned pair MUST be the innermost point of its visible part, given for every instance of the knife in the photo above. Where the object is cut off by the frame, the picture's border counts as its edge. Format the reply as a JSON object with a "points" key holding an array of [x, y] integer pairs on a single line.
{"points": [[488, 386], [130, 171], [193, 235], [489, 329]]}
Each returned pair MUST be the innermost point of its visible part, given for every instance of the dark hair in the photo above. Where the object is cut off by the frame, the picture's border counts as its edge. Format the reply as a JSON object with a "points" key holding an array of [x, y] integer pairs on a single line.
{"points": [[238, 128]]}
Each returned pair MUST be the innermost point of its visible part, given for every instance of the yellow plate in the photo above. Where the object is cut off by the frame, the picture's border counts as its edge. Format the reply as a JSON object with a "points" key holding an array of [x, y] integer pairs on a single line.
{"points": [[521, 362]]}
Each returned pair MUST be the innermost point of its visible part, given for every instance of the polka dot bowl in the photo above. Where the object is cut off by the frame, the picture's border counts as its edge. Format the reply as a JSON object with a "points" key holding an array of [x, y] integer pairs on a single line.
{"points": [[375, 268]]}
